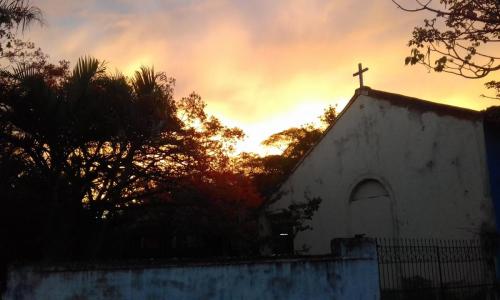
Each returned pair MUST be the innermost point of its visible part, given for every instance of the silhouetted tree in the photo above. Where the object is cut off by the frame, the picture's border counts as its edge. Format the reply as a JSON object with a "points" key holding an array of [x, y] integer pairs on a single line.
{"points": [[269, 171], [15, 17], [459, 39], [85, 146], [286, 224], [210, 211]]}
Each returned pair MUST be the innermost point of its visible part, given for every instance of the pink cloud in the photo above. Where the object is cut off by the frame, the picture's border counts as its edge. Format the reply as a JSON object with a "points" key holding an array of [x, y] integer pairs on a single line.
{"points": [[254, 62]]}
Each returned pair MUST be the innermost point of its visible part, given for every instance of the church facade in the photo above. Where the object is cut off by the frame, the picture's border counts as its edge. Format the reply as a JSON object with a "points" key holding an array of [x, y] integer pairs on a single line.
{"points": [[392, 166]]}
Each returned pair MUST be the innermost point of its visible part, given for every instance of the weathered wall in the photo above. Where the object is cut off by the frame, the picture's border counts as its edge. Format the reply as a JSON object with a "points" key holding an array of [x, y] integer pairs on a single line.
{"points": [[351, 277], [432, 165]]}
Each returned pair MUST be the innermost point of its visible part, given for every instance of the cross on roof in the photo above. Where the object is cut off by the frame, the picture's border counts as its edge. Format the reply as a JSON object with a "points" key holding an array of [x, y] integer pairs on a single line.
{"points": [[360, 74]]}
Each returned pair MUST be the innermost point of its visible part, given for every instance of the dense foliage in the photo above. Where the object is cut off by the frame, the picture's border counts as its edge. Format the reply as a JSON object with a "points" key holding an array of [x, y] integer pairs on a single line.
{"points": [[80, 149], [96, 165]]}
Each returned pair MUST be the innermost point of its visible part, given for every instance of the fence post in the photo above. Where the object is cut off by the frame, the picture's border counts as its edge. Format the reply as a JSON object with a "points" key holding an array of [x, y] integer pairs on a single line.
{"points": [[377, 245], [354, 248], [441, 284], [360, 251]]}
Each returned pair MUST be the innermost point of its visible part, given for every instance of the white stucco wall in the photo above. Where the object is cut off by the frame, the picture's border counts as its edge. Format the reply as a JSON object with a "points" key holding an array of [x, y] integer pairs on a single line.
{"points": [[432, 165]]}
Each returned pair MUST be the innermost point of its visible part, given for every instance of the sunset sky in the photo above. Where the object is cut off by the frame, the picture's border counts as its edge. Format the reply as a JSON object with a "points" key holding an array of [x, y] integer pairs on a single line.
{"points": [[261, 65]]}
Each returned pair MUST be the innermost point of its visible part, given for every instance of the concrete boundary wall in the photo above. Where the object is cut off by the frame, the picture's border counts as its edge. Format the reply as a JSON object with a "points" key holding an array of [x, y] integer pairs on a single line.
{"points": [[352, 276]]}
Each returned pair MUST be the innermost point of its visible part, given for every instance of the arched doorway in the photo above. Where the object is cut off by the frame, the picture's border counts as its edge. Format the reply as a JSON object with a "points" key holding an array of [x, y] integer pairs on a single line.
{"points": [[371, 210]]}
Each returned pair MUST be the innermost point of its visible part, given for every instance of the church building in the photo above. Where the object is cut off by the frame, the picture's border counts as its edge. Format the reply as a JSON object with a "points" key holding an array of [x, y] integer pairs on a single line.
{"points": [[393, 166]]}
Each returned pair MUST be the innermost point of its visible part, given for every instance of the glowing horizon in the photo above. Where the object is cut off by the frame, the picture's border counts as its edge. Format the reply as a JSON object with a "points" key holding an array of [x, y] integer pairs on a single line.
{"points": [[263, 66]]}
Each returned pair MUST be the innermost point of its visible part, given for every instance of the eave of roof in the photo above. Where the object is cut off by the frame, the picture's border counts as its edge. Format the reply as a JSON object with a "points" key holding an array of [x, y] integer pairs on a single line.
{"points": [[422, 105]]}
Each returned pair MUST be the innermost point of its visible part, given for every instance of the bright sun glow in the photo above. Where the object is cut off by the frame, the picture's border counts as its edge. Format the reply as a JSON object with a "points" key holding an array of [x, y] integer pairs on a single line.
{"points": [[307, 112], [130, 69]]}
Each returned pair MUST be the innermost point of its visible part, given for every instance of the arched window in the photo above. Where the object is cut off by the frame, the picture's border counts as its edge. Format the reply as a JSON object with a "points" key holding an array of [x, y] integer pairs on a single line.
{"points": [[368, 189]]}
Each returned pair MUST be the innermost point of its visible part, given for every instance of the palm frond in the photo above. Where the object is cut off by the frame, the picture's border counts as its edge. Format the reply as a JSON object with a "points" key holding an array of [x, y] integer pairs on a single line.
{"points": [[144, 81], [87, 68], [117, 76], [19, 12], [23, 72]]}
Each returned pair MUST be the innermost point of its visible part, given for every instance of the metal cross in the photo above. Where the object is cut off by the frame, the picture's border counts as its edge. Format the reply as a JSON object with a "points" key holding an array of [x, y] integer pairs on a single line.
{"points": [[360, 74]]}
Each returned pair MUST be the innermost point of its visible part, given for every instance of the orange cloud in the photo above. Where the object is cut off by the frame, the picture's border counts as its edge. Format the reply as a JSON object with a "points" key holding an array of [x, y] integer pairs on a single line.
{"points": [[261, 65]]}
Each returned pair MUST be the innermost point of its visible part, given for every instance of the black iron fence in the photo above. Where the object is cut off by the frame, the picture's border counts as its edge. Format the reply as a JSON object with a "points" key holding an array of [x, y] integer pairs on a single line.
{"points": [[436, 269]]}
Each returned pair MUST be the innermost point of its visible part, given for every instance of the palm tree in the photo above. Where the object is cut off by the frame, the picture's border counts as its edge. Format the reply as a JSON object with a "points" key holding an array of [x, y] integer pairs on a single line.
{"points": [[86, 69], [154, 98], [145, 81], [14, 13]]}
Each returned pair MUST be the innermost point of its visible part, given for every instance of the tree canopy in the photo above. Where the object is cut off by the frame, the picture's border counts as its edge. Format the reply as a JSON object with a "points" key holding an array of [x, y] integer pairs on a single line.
{"points": [[461, 38], [269, 171], [100, 165], [86, 146]]}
